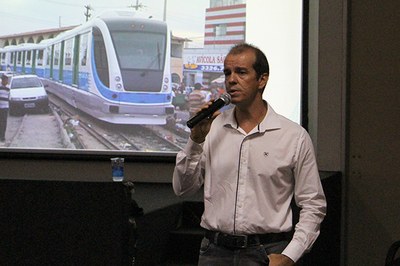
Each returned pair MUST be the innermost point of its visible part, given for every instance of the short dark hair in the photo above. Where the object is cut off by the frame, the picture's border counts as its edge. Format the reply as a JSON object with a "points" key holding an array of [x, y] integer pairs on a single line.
{"points": [[197, 86], [260, 65]]}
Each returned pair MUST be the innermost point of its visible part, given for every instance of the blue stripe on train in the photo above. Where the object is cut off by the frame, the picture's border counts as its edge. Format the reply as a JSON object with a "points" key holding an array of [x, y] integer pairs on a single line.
{"points": [[128, 97]]}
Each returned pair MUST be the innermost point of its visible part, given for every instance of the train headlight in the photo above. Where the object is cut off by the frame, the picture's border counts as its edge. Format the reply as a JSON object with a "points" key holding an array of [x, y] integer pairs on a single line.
{"points": [[117, 78], [119, 86], [165, 86]]}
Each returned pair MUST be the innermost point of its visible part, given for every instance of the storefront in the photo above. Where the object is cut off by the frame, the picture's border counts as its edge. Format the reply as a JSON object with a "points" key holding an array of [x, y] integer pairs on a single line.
{"points": [[203, 66]]}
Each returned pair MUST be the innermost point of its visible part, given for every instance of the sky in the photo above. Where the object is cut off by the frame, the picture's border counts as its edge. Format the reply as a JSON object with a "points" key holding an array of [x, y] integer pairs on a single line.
{"points": [[186, 18]]}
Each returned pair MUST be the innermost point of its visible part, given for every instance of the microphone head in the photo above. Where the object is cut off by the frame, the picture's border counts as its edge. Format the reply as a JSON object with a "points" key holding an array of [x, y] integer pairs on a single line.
{"points": [[226, 97]]}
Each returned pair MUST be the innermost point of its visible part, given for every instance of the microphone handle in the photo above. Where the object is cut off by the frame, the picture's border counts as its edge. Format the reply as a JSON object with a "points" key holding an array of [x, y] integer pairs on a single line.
{"points": [[205, 113]]}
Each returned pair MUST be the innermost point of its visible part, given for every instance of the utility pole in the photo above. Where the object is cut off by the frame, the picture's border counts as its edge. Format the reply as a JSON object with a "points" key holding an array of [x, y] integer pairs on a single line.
{"points": [[87, 14], [165, 11], [137, 6]]}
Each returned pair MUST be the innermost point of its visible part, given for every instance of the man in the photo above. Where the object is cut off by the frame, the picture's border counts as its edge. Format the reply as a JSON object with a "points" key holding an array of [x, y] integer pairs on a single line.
{"points": [[252, 162], [4, 105], [197, 98]]}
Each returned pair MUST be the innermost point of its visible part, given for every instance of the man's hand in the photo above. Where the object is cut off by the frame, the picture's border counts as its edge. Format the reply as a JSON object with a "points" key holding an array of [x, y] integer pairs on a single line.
{"points": [[199, 132], [280, 260]]}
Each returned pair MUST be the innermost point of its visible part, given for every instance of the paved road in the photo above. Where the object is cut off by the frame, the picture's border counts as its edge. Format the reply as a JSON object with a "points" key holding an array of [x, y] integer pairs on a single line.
{"points": [[34, 131]]}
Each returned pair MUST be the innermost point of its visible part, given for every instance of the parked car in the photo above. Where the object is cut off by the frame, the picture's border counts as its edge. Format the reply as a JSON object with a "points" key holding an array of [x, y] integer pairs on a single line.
{"points": [[27, 93]]}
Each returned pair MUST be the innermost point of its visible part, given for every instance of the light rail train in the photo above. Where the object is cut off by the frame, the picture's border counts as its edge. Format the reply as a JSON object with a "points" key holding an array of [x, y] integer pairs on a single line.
{"points": [[115, 67]]}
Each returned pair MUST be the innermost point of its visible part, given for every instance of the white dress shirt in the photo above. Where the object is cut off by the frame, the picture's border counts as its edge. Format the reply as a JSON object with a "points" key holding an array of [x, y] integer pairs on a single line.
{"points": [[250, 179]]}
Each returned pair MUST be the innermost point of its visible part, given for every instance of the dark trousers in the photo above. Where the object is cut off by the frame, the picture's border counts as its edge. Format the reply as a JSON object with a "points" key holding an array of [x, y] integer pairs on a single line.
{"points": [[214, 255], [3, 123]]}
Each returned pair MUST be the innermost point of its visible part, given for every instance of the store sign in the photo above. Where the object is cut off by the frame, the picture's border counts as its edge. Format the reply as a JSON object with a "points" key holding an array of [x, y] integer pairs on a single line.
{"points": [[204, 62]]}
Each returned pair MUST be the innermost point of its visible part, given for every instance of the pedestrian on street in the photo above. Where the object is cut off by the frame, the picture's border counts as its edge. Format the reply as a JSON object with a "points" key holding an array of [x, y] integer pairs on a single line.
{"points": [[4, 105], [197, 98]]}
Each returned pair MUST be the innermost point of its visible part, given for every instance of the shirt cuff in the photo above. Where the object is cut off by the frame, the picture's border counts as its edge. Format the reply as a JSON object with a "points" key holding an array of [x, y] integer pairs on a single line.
{"points": [[294, 251], [193, 147]]}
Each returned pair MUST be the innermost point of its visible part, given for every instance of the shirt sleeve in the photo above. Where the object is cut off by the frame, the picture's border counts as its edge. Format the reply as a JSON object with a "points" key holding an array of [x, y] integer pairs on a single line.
{"points": [[188, 176], [310, 197]]}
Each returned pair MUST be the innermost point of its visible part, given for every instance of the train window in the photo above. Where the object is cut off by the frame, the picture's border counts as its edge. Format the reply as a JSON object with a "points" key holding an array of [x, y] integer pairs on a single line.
{"points": [[57, 54], [19, 58], [140, 50], [220, 30], [28, 58], [39, 58], [100, 56], [83, 49], [68, 52], [49, 55]]}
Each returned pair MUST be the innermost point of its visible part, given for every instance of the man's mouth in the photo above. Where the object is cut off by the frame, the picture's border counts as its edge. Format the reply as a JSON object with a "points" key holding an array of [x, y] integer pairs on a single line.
{"points": [[232, 91]]}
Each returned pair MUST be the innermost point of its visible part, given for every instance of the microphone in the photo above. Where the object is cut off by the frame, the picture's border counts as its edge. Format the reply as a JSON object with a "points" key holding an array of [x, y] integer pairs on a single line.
{"points": [[224, 99]]}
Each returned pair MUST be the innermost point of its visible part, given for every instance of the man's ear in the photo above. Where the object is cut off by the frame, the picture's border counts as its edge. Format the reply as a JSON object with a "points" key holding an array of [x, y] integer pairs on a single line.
{"points": [[263, 80]]}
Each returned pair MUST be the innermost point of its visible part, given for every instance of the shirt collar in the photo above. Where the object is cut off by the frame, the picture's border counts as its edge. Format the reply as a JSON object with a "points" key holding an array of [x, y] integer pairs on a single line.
{"points": [[270, 122]]}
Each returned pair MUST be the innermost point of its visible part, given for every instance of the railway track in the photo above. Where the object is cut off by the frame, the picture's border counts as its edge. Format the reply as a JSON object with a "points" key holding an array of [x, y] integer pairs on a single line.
{"points": [[88, 133], [67, 128], [33, 130]]}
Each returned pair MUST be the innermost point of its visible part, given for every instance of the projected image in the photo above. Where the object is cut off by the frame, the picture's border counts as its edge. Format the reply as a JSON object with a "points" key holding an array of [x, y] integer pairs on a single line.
{"points": [[116, 77]]}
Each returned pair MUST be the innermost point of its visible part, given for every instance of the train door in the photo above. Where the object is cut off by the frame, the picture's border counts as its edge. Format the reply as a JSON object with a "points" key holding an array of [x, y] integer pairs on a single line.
{"points": [[23, 62], [14, 60], [84, 65], [56, 61], [61, 69], [8, 61], [33, 59], [67, 66], [3, 61], [51, 60], [39, 63], [27, 62], [19, 62], [75, 67]]}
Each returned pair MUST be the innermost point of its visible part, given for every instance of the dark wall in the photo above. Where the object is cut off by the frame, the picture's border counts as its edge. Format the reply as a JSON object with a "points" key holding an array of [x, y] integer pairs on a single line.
{"points": [[372, 177], [87, 223], [62, 223]]}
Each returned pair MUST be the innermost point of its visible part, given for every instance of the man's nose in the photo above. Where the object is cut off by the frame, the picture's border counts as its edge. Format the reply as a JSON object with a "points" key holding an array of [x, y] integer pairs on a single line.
{"points": [[231, 78]]}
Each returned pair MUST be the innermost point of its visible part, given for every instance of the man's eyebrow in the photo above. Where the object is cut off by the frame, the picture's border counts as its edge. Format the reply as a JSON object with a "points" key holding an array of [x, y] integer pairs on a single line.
{"points": [[239, 68], [235, 69]]}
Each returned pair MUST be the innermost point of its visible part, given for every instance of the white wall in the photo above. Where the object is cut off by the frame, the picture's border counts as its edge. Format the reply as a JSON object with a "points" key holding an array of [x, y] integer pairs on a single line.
{"points": [[276, 28]]}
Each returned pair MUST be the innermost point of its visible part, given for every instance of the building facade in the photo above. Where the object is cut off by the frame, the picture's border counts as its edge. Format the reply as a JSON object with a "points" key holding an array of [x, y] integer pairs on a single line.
{"points": [[225, 25], [31, 37]]}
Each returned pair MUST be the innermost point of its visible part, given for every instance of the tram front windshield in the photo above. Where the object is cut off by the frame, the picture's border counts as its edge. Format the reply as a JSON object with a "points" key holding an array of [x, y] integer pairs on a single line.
{"points": [[140, 50]]}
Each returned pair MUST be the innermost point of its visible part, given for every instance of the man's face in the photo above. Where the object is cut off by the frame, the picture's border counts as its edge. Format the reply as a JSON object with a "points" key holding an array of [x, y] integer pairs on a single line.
{"points": [[4, 81], [241, 79]]}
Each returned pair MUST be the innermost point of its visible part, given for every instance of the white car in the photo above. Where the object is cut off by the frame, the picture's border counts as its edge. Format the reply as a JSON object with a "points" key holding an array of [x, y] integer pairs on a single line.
{"points": [[27, 92]]}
